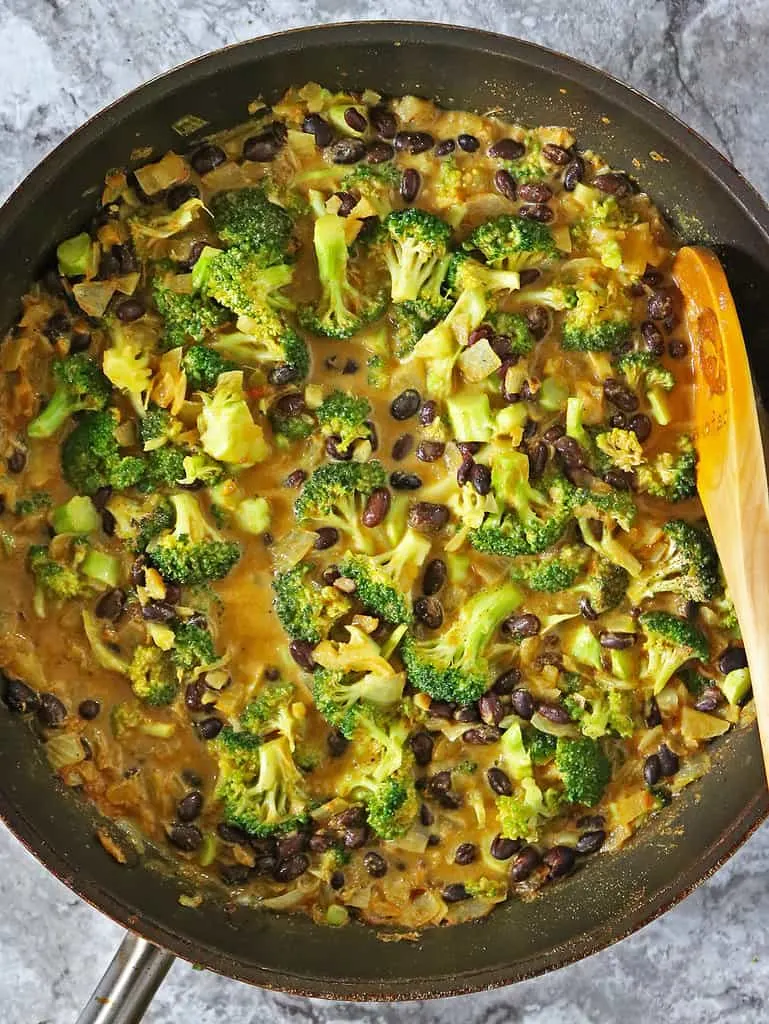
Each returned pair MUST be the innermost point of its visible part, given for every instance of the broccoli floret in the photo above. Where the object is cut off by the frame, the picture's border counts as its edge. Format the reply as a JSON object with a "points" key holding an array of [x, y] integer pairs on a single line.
{"points": [[344, 416], [291, 427], [267, 340], [383, 582], [513, 242], [91, 459], [270, 713], [80, 385], [620, 448], [346, 303], [414, 243], [643, 371], [203, 365], [554, 571], [164, 467], [683, 561], [392, 806], [35, 503], [539, 745], [238, 281], [454, 666], [193, 552], [259, 784], [606, 510], [670, 643], [464, 273], [600, 321], [522, 815], [513, 328], [335, 495], [55, 577], [407, 327], [247, 219], [584, 768], [153, 677], [185, 317], [138, 522], [193, 647], [157, 427], [671, 476], [228, 432], [605, 585], [306, 610], [376, 183], [347, 699]]}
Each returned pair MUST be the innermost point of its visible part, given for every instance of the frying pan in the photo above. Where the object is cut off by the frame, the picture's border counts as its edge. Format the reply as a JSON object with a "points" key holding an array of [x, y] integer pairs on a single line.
{"points": [[710, 203]]}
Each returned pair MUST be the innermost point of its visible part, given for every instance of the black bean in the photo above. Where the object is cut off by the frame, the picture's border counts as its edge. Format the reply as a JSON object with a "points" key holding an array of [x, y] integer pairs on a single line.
{"points": [[402, 446], [445, 147], [185, 837], [652, 770], [430, 451], [401, 481], [414, 142], [465, 854], [194, 254], [677, 348], [209, 728], [506, 682], [337, 743], [290, 846], [590, 842], [520, 626], [653, 716], [435, 576], [410, 184], [464, 470], [482, 734], [262, 148], [523, 865], [406, 404], [534, 192], [336, 881], [504, 183], [614, 184], [620, 395], [440, 782], [507, 149], [574, 173], [383, 122], [237, 874], [301, 652], [193, 695], [455, 893], [330, 575], [207, 157], [528, 276], [556, 154], [468, 447], [111, 605], [88, 709], [490, 709], [522, 703], [467, 142], [732, 658], [334, 451], [315, 125], [355, 837], [108, 522], [347, 151], [668, 759], [291, 868], [427, 516], [654, 342], [429, 612], [559, 861], [56, 326], [180, 194], [536, 211], [428, 412], [379, 153], [467, 714], [190, 806], [282, 373], [51, 711], [499, 782], [502, 848], [641, 426], [537, 456], [377, 507], [421, 744], [109, 266], [480, 478], [232, 834], [80, 341], [355, 120], [295, 478], [556, 713], [325, 537], [129, 310], [350, 366], [158, 611], [375, 864], [709, 699], [616, 640], [570, 452]]}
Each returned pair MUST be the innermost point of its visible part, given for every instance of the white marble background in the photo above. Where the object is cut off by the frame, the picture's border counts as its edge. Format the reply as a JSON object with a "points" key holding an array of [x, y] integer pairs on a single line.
{"points": [[60, 60]]}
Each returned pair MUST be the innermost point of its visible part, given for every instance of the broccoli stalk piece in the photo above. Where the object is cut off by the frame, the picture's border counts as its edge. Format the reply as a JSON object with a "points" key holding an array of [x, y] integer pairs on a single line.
{"points": [[91, 459], [540, 746], [344, 306], [80, 385], [152, 676], [383, 582], [454, 666], [584, 768], [247, 219], [228, 432], [265, 339], [335, 495], [670, 643], [415, 243], [194, 551], [671, 476], [682, 561], [185, 317], [203, 366], [606, 510], [513, 243], [345, 417], [306, 610]]}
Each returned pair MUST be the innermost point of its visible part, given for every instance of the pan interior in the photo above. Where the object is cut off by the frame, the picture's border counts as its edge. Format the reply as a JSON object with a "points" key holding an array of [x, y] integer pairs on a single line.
{"points": [[708, 203]]}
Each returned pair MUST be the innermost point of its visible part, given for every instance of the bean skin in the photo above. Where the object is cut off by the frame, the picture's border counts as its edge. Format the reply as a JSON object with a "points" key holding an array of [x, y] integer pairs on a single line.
{"points": [[652, 770], [402, 447], [88, 709], [559, 861], [524, 864], [405, 405], [347, 151], [262, 148], [326, 537], [480, 478], [465, 854], [291, 868], [51, 713], [482, 734], [428, 412], [379, 153], [430, 451], [185, 837], [586, 609], [556, 154], [377, 507], [731, 659], [614, 640], [620, 395], [503, 849], [428, 516], [414, 142], [421, 744], [111, 604], [612, 184], [405, 481], [207, 157], [445, 147], [355, 120], [375, 864], [523, 703], [520, 626], [315, 125], [455, 892], [641, 426], [383, 122], [669, 761], [537, 211], [654, 342], [677, 348], [490, 709], [301, 652], [190, 806], [506, 682], [537, 455], [468, 143], [554, 713], [534, 192]]}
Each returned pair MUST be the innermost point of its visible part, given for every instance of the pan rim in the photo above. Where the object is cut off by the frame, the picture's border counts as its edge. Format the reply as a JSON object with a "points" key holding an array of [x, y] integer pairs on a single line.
{"points": [[641, 107]]}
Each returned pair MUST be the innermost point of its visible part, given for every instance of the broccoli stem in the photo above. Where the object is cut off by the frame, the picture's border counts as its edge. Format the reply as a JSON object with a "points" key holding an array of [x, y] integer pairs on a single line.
{"points": [[56, 412]]}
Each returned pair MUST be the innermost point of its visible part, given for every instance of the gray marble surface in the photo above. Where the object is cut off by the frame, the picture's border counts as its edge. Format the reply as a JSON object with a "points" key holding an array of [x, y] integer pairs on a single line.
{"points": [[707, 960]]}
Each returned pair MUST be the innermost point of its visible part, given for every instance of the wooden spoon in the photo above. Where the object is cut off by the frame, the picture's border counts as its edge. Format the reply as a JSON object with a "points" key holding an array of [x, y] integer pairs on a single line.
{"points": [[731, 472]]}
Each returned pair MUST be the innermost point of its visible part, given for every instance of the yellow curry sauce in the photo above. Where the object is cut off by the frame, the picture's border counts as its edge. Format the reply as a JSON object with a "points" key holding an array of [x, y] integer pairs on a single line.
{"points": [[157, 774]]}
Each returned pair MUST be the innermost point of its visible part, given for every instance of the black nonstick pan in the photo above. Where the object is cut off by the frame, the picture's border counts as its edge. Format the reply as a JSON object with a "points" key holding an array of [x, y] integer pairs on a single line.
{"points": [[710, 203]]}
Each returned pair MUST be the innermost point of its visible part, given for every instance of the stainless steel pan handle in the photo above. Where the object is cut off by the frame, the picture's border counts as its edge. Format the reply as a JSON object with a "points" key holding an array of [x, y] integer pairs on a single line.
{"points": [[129, 983]]}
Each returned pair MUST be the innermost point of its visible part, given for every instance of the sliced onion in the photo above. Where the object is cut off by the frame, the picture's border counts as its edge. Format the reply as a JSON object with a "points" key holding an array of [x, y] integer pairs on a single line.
{"points": [[63, 750], [93, 296], [291, 549], [169, 170]]}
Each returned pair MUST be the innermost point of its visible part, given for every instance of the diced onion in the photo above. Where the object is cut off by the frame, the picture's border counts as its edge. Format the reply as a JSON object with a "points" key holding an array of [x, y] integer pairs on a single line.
{"points": [[168, 171], [93, 296], [291, 549], [479, 361]]}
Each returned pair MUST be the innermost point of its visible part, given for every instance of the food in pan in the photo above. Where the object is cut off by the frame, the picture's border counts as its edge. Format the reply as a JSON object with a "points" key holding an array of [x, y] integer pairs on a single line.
{"points": [[351, 548]]}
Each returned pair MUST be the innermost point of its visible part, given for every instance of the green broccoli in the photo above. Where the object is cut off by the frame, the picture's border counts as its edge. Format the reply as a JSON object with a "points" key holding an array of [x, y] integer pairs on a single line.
{"points": [[158, 427], [671, 476], [345, 416], [247, 219], [552, 572], [599, 321], [539, 745], [392, 806], [682, 561], [91, 458], [379, 579], [138, 522], [346, 302], [291, 426], [513, 243], [270, 713], [605, 585], [414, 243], [645, 374], [56, 577], [266, 340], [670, 643], [35, 503], [454, 665], [238, 281], [186, 317], [522, 815], [228, 431], [584, 768], [606, 510], [193, 552], [335, 495], [203, 365], [193, 647], [465, 274], [153, 677], [348, 700], [514, 329], [306, 610], [377, 183], [80, 385]]}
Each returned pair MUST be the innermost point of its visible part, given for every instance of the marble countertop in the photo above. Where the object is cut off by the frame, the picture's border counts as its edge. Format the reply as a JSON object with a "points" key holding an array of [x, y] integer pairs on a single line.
{"points": [[706, 961]]}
